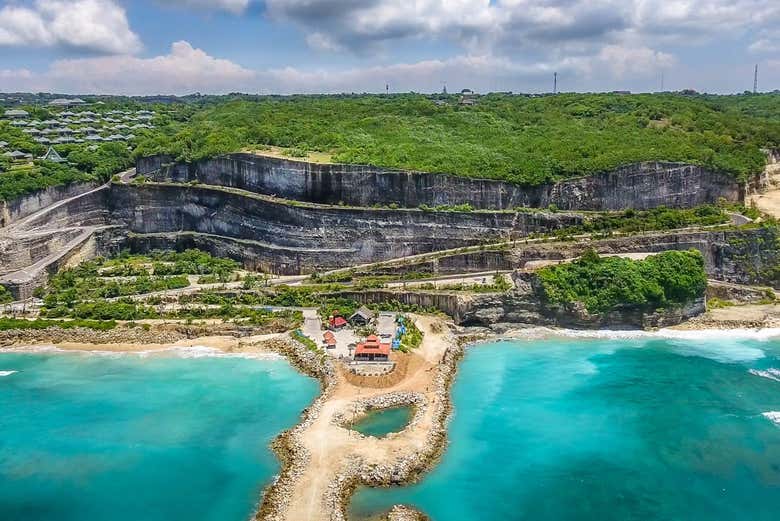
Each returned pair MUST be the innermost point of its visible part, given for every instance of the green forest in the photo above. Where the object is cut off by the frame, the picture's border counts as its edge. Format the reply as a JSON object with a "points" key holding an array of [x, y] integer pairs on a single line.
{"points": [[602, 283], [526, 140], [521, 139]]}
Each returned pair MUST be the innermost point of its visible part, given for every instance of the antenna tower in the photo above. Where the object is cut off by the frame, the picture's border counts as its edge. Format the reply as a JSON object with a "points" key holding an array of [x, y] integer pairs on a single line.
{"points": [[555, 83], [755, 80]]}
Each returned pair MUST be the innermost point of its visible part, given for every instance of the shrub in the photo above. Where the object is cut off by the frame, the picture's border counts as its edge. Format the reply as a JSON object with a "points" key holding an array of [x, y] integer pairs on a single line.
{"points": [[603, 283]]}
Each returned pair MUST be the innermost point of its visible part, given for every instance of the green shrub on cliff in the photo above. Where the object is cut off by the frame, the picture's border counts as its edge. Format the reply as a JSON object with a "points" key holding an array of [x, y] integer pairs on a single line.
{"points": [[603, 283]]}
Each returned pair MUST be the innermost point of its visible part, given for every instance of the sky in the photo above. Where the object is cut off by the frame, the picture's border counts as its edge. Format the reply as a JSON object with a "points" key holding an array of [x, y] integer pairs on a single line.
{"points": [[145, 47]]}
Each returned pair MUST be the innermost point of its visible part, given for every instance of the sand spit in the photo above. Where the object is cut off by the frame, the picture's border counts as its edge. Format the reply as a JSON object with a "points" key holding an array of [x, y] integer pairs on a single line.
{"points": [[324, 461]]}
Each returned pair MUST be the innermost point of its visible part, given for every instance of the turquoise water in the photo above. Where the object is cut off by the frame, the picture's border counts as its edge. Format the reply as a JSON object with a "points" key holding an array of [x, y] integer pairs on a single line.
{"points": [[382, 422], [85, 437], [577, 429]]}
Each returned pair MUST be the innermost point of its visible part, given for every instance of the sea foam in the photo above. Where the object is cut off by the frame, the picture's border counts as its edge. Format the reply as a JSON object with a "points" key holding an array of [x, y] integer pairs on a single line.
{"points": [[535, 333], [771, 373], [773, 416]]}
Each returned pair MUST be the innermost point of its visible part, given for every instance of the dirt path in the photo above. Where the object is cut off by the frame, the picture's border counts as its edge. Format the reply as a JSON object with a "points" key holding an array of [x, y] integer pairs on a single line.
{"points": [[332, 448]]}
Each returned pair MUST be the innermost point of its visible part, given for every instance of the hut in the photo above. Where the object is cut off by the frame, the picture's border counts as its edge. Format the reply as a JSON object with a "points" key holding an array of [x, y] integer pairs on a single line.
{"points": [[336, 321], [329, 340], [362, 317]]}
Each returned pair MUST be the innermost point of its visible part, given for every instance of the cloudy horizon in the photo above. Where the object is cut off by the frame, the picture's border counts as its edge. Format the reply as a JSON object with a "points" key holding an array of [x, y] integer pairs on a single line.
{"points": [[150, 47]]}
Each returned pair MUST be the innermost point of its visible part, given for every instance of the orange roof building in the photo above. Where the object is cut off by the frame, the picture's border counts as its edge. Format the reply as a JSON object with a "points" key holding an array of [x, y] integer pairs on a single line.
{"points": [[372, 350], [329, 339]]}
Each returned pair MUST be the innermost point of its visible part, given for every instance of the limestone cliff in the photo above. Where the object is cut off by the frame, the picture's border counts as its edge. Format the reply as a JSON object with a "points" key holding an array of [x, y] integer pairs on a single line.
{"points": [[638, 186]]}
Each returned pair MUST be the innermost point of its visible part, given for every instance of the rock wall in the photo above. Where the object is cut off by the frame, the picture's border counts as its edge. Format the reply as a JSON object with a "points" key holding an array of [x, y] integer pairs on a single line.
{"points": [[305, 236], [19, 208], [639, 186]]}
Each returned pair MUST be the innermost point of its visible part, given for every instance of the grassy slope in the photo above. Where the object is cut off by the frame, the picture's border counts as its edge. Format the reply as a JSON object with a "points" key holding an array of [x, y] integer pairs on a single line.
{"points": [[523, 140]]}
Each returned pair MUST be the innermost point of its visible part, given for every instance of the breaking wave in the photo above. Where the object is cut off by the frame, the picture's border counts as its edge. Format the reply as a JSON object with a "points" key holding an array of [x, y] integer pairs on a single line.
{"points": [[535, 333], [773, 416], [771, 373]]}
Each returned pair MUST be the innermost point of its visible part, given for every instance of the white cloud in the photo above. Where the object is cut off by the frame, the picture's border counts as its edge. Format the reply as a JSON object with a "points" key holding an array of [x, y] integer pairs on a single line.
{"points": [[504, 26], [184, 70], [634, 61], [92, 25], [232, 6]]}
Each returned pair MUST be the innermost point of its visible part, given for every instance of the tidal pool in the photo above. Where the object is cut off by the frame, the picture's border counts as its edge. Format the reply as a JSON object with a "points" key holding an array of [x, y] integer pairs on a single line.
{"points": [[381, 422]]}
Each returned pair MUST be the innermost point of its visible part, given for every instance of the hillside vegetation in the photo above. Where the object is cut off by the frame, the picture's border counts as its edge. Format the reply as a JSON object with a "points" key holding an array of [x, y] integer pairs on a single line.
{"points": [[603, 283], [515, 138]]}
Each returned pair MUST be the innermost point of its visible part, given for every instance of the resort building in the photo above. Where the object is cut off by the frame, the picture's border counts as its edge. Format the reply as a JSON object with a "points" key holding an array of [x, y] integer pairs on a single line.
{"points": [[372, 350], [66, 102], [17, 155], [16, 113], [53, 156], [3, 144]]}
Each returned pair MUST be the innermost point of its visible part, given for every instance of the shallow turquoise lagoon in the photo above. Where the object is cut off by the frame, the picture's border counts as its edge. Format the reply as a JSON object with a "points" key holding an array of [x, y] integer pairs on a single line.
{"points": [[381, 422], [86, 437], [608, 429]]}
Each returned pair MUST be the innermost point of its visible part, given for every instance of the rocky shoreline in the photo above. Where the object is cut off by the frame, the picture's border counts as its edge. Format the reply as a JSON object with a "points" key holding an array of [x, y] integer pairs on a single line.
{"points": [[287, 446]]}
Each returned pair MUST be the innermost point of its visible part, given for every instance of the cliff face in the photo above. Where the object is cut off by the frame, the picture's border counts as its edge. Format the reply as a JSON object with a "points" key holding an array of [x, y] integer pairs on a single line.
{"points": [[638, 186], [19, 208], [306, 237]]}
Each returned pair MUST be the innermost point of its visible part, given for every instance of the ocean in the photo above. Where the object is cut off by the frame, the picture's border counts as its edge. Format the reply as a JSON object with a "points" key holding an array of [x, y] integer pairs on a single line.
{"points": [[608, 427], [141, 437]]}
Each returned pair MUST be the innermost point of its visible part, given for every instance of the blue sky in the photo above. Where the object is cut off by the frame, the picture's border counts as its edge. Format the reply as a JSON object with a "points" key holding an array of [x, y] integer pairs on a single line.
{"points": [[285, 46]]}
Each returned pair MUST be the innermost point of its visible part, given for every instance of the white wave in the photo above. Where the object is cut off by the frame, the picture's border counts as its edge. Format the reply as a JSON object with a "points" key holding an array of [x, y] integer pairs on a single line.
{"points": [[7, 373], [715, 344], [772, 374], [773, 416], [535, 333]]}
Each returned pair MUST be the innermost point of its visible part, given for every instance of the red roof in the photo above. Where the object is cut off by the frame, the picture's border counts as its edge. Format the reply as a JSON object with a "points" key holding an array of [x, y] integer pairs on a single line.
{"points": [[372, 346], [338, 322]]}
